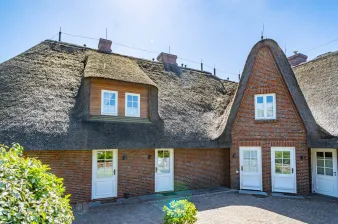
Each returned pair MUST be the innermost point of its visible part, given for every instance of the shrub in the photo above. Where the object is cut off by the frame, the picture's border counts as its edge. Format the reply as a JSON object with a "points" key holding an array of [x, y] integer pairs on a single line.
{"points": [[180, 212], [28, 193]]}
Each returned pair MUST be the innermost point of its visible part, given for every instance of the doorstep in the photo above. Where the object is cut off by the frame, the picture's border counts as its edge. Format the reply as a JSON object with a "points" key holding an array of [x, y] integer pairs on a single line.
{"points": [[286, 195], [260, 193]]}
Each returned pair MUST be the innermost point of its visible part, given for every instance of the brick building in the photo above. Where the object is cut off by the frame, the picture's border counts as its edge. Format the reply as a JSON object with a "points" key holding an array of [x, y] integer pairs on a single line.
{"points": [[116, 126]]}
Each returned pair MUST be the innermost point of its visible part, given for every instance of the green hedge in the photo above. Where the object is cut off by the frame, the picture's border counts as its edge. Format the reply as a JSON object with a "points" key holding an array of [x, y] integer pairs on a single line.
{"points": [[28, 192]]}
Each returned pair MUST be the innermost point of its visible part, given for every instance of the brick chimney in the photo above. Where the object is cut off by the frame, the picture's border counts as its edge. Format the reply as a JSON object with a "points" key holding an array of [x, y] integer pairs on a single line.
{"points": [[297, 58], [167, 58], [104, 45]]}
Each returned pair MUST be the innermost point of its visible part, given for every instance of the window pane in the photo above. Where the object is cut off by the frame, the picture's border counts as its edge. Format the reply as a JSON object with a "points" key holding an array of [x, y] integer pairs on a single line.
{"points": [[260, 113], [163, 162], [329, 172], [278, 169], [109, 155], [269, 113], [253, 166], [246, 154], [105, 95], [320, 170], [286, 154], [328, 163], [129, 98], [166, 154], [112, 96], [278, 162], [100, 155], [112, 109], [253, 154], [269, 99], [328, 154], [320, 162], [106, 102], [259, 99], [286, 161], [135, 98], [320, 154], [286, 169], [135, 104], [279, 154], [246, 165], [112, 102], [129, 104]]}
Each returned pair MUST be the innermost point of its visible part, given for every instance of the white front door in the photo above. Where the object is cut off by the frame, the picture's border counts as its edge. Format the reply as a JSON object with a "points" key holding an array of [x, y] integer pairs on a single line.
{"points": [[164, 170], [283, 169], [324, 171], [250, 168], [104, 177]]}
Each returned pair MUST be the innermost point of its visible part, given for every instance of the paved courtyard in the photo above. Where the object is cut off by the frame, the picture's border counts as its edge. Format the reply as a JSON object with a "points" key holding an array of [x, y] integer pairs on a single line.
{"points": [[224, 207]]}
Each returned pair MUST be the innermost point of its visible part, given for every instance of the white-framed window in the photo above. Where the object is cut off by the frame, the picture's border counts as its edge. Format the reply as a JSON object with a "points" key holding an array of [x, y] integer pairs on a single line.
{"points": [[132, 105], [265, 106], [109, 102]]}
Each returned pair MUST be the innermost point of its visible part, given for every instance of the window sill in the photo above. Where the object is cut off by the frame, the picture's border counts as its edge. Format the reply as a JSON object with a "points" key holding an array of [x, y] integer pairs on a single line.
{"points": [[266, 121], [114, 119]]}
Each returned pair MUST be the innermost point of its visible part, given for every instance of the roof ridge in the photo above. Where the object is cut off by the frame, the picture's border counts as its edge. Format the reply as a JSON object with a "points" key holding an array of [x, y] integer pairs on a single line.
{"points": [[319, 57]]}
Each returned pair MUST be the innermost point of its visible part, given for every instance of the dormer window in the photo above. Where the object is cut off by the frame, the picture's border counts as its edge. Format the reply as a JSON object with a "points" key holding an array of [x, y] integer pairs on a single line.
{"points": [[265, 106], [109, 102], [132, 105]]}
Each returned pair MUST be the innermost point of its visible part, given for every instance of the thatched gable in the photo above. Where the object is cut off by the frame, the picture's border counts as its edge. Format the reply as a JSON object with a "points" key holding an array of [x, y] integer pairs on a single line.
{"points": [[43, 92], [318, 80], [313, 130]]}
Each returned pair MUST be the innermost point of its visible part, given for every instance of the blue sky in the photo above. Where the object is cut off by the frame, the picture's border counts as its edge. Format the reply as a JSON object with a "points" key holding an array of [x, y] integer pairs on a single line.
{"points": [[219, 32]]}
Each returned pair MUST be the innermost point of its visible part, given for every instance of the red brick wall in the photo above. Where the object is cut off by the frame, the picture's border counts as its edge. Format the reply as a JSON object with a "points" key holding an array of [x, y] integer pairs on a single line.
{"points": [[136, 174], [286, 130], [194, 168], [75, 167], [200, 168]]}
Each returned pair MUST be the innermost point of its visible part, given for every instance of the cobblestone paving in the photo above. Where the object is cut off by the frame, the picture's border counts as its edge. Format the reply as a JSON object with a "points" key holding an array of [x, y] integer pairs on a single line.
{"points": [[225, 207]]}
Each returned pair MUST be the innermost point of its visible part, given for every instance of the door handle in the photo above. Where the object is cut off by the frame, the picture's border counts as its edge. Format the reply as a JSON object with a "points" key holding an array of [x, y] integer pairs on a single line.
{"points": [[241, 168], [114, 171], [156, 169], [335, 173], [292, 170]]}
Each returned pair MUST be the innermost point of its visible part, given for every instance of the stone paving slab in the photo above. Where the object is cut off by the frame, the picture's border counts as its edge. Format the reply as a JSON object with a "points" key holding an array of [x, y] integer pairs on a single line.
{"points": [[224, 207]]}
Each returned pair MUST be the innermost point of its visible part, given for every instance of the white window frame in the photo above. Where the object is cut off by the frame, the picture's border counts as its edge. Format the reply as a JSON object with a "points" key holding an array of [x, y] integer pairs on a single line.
{"points": [[138, 103], [116, 102], [265, 106]]}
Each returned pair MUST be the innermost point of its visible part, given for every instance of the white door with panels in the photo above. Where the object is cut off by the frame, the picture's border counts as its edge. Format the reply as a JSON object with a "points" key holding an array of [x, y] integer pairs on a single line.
{"points": [[250, 168], [324, 171], [164, 170], [104, 176], [283, 169]]}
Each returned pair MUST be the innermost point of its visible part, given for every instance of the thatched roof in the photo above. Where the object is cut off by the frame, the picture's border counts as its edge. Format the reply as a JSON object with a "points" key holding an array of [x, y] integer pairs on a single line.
{"points": [[44, 91], [318, 80], [110, 66]]}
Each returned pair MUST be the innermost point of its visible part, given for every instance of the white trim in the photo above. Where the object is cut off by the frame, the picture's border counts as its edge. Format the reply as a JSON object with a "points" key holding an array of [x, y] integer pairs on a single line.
{"points": [[259, 163], [116, 102], [292, 166], [172, 165], [265, 106], [94, 165], [138, 103]]}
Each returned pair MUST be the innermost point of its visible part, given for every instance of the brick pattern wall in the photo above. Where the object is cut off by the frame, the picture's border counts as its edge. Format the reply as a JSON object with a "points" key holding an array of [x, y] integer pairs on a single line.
{"points": [[200, 168], [194, 168], [136, 174], [286, 130], [75, 167]]}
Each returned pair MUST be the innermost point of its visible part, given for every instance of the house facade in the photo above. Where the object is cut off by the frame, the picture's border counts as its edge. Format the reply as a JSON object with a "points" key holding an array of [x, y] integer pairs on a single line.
{"points": [[116, 126]]}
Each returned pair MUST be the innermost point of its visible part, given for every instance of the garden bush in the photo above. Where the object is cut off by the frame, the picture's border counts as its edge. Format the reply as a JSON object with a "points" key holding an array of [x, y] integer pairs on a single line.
{"points": [[180, 212], [28, 192]]}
